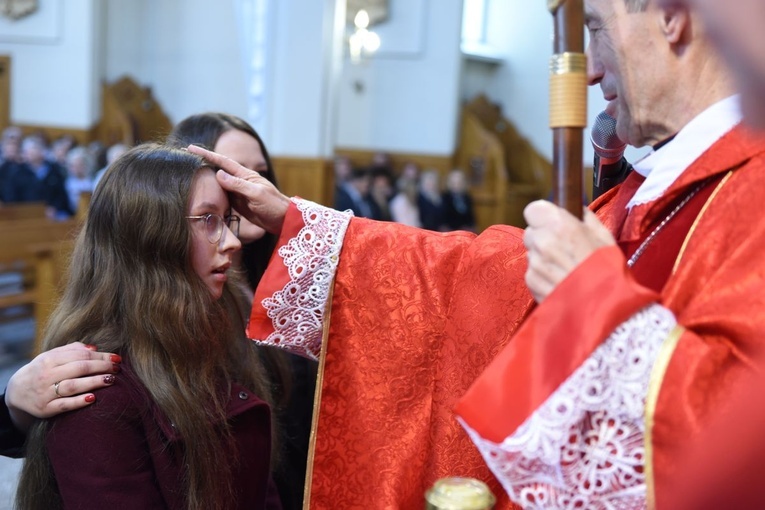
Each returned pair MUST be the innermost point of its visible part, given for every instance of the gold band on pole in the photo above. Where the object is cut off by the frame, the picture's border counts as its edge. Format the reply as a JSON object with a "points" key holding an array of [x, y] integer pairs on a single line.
{"points": [[568, 90], [553, 5]]}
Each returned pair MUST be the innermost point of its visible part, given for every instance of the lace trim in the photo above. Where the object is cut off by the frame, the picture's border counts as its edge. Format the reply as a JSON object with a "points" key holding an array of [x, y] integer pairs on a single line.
{"points": [[583, 448], [311, 257]]}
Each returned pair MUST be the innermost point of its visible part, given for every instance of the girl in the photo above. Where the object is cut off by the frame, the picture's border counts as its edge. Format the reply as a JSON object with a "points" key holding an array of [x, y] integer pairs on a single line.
{"points": [[184, 425], [292, 377]]}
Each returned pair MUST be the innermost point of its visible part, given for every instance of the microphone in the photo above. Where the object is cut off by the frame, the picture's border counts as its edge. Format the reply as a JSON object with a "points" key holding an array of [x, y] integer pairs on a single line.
{"points": [[610, 167]]}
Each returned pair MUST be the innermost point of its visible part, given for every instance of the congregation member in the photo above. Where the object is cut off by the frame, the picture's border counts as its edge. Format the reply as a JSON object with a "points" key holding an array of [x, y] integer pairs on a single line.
{"points": [[353, 194], [78, 181], [10, 164], [458, 204], [430, 201], [39, 180]]}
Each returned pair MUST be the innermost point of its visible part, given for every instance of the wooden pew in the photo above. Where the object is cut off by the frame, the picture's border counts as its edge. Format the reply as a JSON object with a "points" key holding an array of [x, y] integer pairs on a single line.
{"points": [[51, 269], [22, 211], [28, 264]]}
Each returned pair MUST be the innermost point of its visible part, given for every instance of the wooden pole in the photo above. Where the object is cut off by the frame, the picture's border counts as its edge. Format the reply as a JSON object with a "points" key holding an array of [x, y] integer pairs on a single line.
{"points": [[568, 102]]}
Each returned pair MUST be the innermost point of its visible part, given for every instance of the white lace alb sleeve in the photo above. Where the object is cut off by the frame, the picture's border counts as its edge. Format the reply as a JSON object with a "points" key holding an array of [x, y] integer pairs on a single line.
{"points": [[584, 447], [297, 311]]}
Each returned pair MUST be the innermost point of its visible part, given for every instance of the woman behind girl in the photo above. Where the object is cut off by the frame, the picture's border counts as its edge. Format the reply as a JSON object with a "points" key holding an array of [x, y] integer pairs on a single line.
{"points": [[184, 425]]}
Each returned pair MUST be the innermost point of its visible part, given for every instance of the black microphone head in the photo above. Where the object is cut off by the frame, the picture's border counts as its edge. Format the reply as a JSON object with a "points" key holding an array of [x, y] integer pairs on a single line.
{"points": [[603, 137]]}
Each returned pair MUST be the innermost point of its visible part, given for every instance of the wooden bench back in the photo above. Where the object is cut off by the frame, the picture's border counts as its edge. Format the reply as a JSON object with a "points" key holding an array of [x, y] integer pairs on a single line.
{"points": [[31, 265], [24, 211]]}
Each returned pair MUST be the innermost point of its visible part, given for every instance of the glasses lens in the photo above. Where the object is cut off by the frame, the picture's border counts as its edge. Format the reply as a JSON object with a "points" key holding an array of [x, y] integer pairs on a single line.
{"points": [[233, 224], [214, 224]]}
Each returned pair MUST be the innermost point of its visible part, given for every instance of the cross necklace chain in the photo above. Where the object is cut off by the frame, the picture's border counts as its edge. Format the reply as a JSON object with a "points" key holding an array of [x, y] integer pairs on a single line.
{"points": [[647, 241]]}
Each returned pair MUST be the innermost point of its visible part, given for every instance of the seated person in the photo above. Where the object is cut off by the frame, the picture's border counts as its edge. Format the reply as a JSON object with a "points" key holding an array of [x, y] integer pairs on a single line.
{"points": [[430, 203], [458, 204], [39, 180], [78, 180], [353, 195]]}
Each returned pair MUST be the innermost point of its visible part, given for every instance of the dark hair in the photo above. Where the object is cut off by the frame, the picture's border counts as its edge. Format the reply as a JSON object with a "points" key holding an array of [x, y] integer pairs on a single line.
{"points": [[132, 290], [205, 129]]}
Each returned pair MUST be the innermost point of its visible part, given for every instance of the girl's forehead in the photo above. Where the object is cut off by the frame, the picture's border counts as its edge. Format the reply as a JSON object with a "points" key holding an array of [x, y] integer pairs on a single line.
{"points": [[207, 193]]}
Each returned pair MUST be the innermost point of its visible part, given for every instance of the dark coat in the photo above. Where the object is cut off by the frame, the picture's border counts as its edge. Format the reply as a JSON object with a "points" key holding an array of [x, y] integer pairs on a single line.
{"points": [[362, 207], [23, 186], [431, 213], [458, 211], [11, 439], [122, 453]]}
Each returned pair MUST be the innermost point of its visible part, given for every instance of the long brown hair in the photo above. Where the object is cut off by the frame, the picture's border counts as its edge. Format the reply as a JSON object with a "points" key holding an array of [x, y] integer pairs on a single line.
{"points": [[132, 290]]}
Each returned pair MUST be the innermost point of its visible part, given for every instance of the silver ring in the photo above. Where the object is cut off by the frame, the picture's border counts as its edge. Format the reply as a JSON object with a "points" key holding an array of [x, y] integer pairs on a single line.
{"points": [[55, 388]]}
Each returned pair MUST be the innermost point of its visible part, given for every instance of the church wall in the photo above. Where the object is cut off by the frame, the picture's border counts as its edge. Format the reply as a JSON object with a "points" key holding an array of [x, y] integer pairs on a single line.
{"points": [[406, 97], [55, 59], [187, 52]]}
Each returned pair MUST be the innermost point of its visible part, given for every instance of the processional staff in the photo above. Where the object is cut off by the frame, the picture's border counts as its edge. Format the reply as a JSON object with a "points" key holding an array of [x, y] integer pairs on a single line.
{"points": [[568, 102]]}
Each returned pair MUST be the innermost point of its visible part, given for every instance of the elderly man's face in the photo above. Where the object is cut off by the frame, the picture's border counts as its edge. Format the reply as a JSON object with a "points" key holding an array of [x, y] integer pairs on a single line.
{"points": [[622, 58], [737, 28]]}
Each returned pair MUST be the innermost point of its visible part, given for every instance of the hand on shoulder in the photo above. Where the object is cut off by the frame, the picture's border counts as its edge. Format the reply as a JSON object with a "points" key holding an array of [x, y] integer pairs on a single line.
{"points": [[57, 381]]}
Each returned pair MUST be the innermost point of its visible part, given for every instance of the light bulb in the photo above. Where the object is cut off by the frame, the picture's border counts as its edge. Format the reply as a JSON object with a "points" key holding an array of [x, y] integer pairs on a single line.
{"points": [[362, 19], [371, 42]]}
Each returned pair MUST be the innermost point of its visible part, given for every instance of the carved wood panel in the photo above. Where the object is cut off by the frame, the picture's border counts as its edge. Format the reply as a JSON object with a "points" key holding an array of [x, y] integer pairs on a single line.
{"points": [[5, 91]]}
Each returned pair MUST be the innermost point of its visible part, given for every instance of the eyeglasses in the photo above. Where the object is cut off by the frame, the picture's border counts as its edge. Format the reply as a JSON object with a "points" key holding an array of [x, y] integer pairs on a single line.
{"points": [[214, 225]]}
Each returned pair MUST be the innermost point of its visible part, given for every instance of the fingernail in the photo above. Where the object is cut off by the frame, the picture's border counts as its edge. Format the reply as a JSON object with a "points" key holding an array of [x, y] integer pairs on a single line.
{"points": [[90, 398], [115, 368], [91, 347], [109, 379], [115, 358]]}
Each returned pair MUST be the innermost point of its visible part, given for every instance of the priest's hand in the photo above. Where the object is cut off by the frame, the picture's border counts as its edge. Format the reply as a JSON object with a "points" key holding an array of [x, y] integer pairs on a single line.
{"points": [[253, 195], [557, 242]]}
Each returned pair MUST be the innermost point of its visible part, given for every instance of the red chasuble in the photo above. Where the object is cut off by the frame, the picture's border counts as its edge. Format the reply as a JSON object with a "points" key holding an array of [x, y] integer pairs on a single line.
{"points": [[403, 321]]}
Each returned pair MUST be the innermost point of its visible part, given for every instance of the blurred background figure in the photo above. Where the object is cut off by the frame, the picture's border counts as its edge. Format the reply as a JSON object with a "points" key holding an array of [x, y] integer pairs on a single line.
{"points": [[381, 193], [403, 207], [79, 169], [39, 180], [10, 163], [410, 171], [342, 168], [353, 194], [430, 203], [60, 148], [382, 163], [457, 203], [112, 153], [11, 133]]}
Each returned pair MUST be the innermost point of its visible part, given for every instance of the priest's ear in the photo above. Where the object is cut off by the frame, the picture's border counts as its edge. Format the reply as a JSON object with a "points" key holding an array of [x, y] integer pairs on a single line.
{"points": [[677, 24]]}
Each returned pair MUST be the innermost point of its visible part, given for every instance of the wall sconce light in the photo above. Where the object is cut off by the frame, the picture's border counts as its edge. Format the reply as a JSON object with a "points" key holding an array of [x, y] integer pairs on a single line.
{"points": [[362, 42]]}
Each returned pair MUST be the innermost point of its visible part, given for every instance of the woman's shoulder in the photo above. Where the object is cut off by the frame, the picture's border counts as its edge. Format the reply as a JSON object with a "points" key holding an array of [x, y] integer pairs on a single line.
{"points": [[125, 399]]}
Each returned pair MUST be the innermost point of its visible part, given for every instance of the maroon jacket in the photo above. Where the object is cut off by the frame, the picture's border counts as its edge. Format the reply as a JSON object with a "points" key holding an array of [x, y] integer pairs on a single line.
{"points": [[122, 453]]}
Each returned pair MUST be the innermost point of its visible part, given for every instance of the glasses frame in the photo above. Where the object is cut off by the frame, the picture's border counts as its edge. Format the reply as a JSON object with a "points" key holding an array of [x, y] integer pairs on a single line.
{"points": [[231, 222]]}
